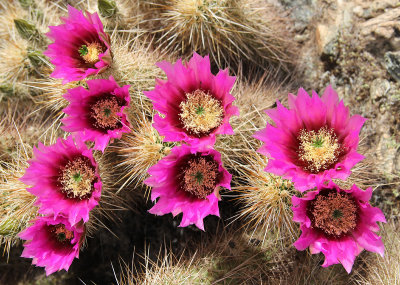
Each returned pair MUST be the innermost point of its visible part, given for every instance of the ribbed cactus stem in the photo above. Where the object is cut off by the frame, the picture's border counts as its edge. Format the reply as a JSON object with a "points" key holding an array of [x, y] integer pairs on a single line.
{"points": [[107, 8], [25, 29], [36, 58], [26, 3]]}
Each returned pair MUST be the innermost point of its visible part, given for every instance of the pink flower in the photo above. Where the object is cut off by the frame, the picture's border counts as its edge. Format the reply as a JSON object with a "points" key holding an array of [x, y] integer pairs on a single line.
{"points": [[81, 47], [97, 112], [315, 140], [65, 178], [187, 181], [337, 222], [196, 105], [52, 243]]}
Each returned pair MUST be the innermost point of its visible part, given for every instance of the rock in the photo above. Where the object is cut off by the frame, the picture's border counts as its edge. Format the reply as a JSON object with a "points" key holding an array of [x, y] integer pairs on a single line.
{"points": [[301, 38], [384, 23], [385, 32], [381, 5], [303, 12], [386, 154], [303, 18], [394, 97], [327, 39], [392, 62], [395, 42], [358, 11], [379, 88]]}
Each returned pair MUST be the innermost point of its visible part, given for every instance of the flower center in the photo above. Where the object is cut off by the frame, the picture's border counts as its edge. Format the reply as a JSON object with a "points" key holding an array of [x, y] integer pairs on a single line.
{"points": [[61, 234], [318, 150], [104, 112], [77, 178], [200, 113], [335, 213], [200, 177], [90, 53]]}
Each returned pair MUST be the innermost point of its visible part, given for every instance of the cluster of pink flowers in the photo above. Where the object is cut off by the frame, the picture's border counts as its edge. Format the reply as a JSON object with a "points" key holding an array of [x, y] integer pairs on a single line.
{"points": [[312, 143], [65, 176], [195, 106]]}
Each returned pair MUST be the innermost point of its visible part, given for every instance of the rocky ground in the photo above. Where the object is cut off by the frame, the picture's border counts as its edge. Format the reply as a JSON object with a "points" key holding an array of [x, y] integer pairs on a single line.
{"points": [[352, 45], [355, 47]]}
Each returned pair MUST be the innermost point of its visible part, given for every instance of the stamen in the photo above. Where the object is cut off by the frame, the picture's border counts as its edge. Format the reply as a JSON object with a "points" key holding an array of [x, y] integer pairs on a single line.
{"points": [[200, 112], [61, 234], [200, 177], [334, 213], [104, 112], [77, 178], [319, 150], [90, 53]]}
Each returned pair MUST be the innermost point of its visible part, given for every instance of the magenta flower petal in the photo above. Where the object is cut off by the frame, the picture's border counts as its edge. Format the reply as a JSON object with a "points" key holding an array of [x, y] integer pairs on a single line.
{"points": [[196, 105], [65, 178], [97, 113], [187, 181], [314, 140], [339, 223], [81, 47], [52, 243]]}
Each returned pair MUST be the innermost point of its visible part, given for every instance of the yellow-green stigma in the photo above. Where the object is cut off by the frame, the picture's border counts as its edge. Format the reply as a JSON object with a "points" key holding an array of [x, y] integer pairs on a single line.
{"points": [[77, 178], [318, 142], [90, 53], [61, 236], [318, 150], [201, 113], [337, 214]]}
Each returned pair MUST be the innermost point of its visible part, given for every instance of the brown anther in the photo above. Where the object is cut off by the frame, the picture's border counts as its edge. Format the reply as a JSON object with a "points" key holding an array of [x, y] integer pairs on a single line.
{"points": [[200, 177], [104, 112], [333, 213], [61, 234]]}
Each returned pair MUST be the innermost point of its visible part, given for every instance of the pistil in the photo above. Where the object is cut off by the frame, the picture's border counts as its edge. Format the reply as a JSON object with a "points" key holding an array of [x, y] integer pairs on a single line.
{"points": [[334, 213], [200, 177], [318, 150], [61, 234], [90, 53], [200, 113], [77, 178], [104, 112]]}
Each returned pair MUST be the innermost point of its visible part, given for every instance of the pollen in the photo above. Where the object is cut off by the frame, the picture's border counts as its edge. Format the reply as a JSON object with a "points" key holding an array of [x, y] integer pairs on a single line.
{"points": [[200, 113], [335, 213], [200, 177], [77, 178], [90, 53], [104, 112], [61, 234], [318, 150]]}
